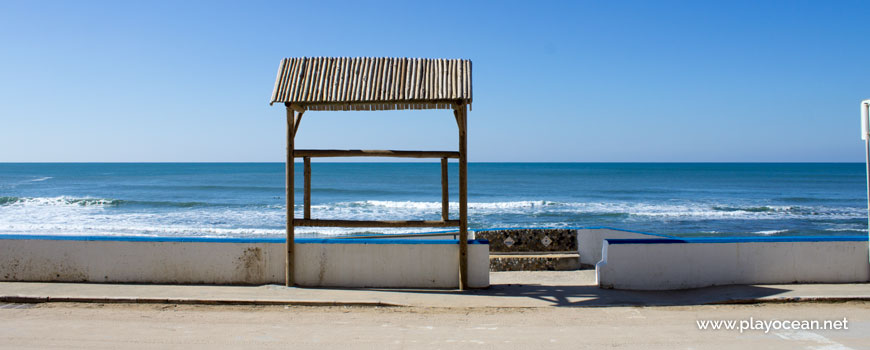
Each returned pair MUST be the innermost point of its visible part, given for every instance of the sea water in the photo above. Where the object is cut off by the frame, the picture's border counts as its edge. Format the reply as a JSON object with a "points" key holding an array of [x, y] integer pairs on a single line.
{"points": [[247, 199]]}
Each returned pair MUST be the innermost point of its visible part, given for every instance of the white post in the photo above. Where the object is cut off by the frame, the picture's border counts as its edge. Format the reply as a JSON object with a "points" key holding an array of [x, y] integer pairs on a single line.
{"points": [[865, 135]]}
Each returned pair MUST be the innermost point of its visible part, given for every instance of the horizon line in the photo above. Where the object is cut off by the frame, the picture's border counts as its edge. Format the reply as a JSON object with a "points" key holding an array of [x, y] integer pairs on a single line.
{"points": [[435, 162]]}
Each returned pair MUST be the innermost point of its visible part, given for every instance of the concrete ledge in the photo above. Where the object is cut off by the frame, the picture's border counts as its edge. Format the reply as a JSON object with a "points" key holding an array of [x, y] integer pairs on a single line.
{"points": [[380, 263], [186, 301], [521, 289], [591, 239], [668, 264]]}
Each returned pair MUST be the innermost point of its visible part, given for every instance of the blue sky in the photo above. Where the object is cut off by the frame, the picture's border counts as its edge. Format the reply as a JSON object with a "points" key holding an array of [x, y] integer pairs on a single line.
{"points": [[573, 81]]}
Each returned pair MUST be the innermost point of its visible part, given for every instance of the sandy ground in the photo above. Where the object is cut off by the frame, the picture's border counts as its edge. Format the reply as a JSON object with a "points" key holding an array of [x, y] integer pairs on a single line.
{"points": [[112, 326]]}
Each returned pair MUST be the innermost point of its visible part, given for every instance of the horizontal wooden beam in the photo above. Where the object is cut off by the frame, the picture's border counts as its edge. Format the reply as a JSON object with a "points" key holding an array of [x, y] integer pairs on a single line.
{"points": [[448, 101], [314, 153], [295, 107], [417, 235], [374, 223]]}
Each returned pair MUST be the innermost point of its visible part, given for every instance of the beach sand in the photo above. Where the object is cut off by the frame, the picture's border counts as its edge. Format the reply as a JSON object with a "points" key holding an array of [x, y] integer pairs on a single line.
{"points": [[105, 326]]}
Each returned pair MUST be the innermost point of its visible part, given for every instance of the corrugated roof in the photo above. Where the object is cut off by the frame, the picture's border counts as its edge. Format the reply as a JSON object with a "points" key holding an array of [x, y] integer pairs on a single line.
{"points": [[372, 83]]}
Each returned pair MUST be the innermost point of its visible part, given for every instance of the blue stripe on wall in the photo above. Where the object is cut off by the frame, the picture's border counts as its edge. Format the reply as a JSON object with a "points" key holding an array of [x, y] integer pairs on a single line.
{"points": [[739, 239], [237, 240]]}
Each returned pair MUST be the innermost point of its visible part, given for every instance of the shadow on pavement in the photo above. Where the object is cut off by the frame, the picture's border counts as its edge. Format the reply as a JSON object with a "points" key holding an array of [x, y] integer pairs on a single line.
{"points": [[591, 295]]}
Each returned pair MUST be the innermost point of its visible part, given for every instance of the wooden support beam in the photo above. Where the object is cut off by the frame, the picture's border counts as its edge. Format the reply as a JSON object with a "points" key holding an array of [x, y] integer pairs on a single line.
{"points": [[375, 223], [298, 108], [445, 195], [307, 176], [289, 262], [458, 110], [296, 122], [314, 153], [462, 122]]}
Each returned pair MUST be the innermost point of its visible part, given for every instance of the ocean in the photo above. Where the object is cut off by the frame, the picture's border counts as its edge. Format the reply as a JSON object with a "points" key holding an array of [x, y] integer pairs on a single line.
{"points": [[247, 199]]}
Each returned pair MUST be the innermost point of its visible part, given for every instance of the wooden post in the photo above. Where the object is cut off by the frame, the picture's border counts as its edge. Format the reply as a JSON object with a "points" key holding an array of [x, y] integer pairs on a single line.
{"points": [[461, 121], [288, 177], [307, 176], [445, 196]]}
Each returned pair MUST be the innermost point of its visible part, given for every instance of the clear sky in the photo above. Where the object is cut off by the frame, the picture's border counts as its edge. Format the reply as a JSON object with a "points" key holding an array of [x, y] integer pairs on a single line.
{"points": [[573, 81]]}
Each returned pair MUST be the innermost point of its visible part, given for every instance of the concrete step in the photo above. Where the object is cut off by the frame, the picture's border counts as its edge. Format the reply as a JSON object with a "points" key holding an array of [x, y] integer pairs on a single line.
{"points": [[536, 261]]}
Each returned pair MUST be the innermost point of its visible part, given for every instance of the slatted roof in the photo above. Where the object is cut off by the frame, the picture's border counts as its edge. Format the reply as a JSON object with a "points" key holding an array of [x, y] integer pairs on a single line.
{"points": [[372, 83]]}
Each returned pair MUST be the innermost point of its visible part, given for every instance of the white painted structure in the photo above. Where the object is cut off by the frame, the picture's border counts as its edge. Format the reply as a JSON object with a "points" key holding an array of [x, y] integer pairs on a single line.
{"points": [[667, 264], [590, 240], [384, 263], [865, 135]]}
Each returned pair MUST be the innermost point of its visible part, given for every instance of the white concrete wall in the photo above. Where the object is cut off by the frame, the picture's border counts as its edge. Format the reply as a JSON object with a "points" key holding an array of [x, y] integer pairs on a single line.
{"points": [[667, 266], [590, 241], [318, 264]]}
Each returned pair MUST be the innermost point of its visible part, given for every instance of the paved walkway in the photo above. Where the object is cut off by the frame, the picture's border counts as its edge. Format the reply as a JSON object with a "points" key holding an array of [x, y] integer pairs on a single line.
{"points": [[188, 327], [509, 289]]}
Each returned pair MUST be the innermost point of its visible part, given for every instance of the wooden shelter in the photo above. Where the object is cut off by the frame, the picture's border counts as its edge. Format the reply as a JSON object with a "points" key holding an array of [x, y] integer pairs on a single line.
{"points": [[374, 84]]}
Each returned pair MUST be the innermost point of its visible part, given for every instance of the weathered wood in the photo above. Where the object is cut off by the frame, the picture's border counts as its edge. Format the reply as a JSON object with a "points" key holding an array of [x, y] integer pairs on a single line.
{"points": [[445, 196], [448, 79], [385, 82], [321, 153], [289, 262], [439, 68], [396, 80], [453, 80], [297, 119], [323, 83], [297, 78], [364, 79], [463, 195], [361, 105], [364, 68], [375, 223], [424, 79], [457, 80], [406, 78], [354, 81], [296, 107], [452, 235], [287, 78], [415, 73], [320, 93], [277, 92], [336, 71], [457, 115], [345, 73], [376, 83], [307, 81], [376, 75], [470, 81], [306, 172]]}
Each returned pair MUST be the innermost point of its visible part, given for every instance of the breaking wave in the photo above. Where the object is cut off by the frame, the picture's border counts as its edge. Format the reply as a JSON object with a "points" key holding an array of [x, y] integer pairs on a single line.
{"points": [[108, 216]]}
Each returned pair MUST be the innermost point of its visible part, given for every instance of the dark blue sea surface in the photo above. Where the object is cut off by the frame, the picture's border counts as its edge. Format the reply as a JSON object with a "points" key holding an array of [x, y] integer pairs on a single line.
{"points": [[247, 199]]}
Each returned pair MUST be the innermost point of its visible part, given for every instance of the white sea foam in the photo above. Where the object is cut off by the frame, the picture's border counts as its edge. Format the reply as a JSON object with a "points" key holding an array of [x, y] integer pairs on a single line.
{"points": [[770, 232], [42, 179], [687, 211], [847, 227], [59, 201], [68, 215]]}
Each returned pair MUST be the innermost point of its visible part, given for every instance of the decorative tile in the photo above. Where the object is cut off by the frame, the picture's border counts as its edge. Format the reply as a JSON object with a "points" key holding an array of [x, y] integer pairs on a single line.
{"points": [[530, 240], [509, 241], [546, 241]]}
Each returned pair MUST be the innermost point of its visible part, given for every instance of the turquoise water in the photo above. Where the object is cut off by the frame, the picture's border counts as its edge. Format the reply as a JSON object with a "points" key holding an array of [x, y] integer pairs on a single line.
{"points": [[247, 199]]}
